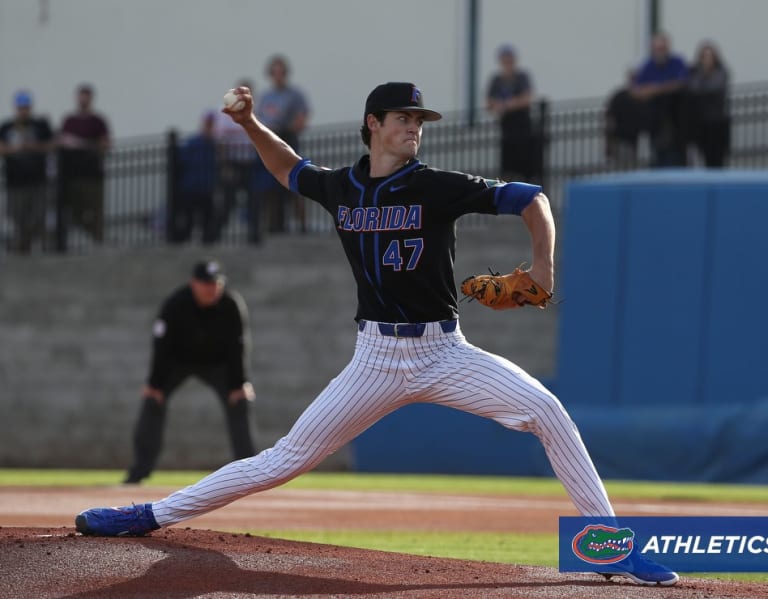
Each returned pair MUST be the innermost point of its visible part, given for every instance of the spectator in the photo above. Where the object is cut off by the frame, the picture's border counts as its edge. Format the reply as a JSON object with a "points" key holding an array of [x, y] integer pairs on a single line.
{"points": [[202, 331], [284, 109], [625, 118], [708, 120], [83, 142], [659, 83], [24, 144], [194, 204], [238, 167], [509, 97]]}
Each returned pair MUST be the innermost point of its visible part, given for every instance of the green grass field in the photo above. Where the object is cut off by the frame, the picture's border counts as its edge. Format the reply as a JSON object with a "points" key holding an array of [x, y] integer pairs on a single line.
{"points": [[533, 549], [420, 483]]}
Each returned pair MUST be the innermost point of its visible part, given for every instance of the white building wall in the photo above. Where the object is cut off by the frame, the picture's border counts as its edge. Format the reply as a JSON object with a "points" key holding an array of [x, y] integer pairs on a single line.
{"points": [[157, 64]]}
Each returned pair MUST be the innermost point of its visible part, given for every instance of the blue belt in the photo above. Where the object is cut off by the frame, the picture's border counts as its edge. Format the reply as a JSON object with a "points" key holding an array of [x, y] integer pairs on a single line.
{"points": [[408, 329]]}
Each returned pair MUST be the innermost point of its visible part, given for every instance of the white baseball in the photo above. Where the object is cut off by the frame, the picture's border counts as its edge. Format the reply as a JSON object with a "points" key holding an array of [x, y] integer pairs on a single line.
{"points": [[232, 102]]}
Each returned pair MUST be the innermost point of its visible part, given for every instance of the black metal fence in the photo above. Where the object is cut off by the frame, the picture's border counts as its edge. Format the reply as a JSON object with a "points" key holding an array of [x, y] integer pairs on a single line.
{"points": [[140, 187]]}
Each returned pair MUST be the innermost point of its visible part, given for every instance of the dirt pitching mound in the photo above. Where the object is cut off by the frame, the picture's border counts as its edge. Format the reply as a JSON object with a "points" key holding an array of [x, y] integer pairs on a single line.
{"points": [[48, 563]]}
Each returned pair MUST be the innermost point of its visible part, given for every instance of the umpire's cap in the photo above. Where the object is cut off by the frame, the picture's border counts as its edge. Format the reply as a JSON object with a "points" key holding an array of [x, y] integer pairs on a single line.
{"points": [[398, 96], [208, 271]]}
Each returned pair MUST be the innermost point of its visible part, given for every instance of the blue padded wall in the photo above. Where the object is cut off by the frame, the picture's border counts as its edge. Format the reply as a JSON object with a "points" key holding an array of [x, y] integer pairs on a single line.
{"points": [[601, 219], [663, 294], [735, 363], [668, 332]]}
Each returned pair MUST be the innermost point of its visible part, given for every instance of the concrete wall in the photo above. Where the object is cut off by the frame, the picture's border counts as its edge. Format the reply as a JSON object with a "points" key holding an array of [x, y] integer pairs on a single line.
{"points": [[75, 339]]}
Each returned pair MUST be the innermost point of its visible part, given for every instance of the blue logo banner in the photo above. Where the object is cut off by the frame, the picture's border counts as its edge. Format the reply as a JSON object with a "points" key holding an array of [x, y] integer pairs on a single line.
{"points": [[684, 544]]}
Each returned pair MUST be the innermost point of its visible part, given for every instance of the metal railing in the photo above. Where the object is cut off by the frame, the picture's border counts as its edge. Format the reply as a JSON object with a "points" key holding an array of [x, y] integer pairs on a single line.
{"points": [[141, 175]]}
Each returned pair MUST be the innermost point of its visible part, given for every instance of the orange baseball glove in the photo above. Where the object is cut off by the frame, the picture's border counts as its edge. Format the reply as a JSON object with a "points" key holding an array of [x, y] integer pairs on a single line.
{"points": [[503, 292]]}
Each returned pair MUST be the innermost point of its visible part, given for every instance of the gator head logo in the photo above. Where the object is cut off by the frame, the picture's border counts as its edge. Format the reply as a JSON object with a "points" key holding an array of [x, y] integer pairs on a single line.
{"points": [[600, 544]]}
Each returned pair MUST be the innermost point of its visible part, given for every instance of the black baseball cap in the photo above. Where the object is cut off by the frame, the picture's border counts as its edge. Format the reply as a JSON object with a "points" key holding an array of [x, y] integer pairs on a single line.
{"points": [[398, 96], [208, 271]]}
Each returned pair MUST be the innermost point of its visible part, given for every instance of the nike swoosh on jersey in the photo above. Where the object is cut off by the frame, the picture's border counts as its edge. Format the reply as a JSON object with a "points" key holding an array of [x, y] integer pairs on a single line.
{"points": [[396, 187]]}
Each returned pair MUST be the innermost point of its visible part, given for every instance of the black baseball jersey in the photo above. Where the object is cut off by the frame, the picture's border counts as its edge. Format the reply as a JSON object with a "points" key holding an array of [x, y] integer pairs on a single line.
{"points": [[399, 231], [190, 335]]}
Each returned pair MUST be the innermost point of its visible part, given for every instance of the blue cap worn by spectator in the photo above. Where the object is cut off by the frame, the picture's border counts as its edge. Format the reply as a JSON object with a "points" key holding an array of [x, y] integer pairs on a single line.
{"points": [[22, 99]]}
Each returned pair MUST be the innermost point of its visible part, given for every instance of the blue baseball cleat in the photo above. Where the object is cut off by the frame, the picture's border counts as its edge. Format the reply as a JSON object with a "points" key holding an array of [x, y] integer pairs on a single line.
{"points": [[641, 570], [129, 521]]}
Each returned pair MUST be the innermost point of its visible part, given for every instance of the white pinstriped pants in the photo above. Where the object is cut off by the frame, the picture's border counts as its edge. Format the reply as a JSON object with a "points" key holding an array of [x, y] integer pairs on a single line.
{"points": [[384, 374]]}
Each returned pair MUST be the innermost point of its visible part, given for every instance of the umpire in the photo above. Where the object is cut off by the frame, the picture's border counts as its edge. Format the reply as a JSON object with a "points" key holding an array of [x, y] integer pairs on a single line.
{"points": [[202, 331]]}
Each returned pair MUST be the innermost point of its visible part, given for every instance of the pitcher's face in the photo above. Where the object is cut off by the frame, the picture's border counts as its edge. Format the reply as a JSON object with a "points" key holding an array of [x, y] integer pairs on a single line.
{"points": [[399, 134]]}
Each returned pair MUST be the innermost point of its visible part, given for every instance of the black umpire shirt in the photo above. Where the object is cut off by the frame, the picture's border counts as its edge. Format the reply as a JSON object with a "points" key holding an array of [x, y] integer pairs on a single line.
{"points": [[399, 232], [187, 335]]}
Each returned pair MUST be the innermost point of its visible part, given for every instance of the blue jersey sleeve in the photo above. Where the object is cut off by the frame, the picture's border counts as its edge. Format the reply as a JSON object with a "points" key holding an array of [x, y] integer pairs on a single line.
{"points": [[293, 176], [315, 183], [308, 180], [513, 198]]}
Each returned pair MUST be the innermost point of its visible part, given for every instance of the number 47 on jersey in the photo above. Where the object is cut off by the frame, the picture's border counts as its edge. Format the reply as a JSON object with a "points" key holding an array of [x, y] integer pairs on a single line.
{"points": [[411, 250]]}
